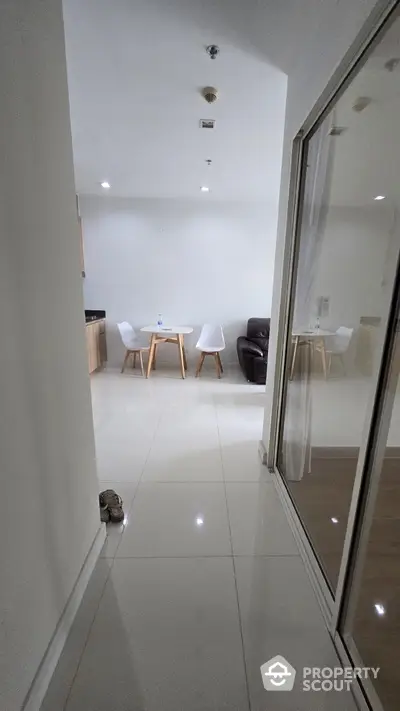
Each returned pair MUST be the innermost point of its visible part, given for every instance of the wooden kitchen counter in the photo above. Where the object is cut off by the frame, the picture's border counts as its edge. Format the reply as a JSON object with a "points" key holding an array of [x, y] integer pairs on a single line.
{"points": [[96, 344]]}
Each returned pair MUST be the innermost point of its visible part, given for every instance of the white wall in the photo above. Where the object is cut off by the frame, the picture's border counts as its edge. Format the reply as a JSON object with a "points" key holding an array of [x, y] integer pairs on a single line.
{"points": [[194, 262], [352, 264], [320, 40], [49, 513]]}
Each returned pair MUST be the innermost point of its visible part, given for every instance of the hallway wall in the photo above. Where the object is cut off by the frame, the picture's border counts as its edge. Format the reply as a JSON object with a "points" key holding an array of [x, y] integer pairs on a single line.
{"points": [[49, 515], [353, 236], [320, 42], [194, 261]]}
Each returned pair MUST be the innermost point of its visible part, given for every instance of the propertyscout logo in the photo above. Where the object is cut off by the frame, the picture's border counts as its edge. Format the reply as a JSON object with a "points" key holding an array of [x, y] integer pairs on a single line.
{"points": [[278, 675]]}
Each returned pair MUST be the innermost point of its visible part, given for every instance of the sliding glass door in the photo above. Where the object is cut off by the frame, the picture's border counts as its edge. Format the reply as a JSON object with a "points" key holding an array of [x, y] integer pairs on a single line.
{"points": [[346, 253], [338, 443], [370, 618]]}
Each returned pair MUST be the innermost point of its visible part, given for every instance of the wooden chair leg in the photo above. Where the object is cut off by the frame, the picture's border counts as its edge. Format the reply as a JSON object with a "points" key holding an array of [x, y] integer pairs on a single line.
{"points": [[323, 359], [294, 354], [200, 363], [217, 364], [141, 361], [127, 354], [329, 360], [220, 362], [184, 355], [154, 356], [151, 355]]}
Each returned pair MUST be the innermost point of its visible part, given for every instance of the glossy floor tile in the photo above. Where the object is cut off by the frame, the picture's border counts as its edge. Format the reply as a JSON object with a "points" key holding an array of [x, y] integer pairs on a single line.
{"points": [[177, 520], [258, 522], [166, 637], [159, 628], [121, 463], [241, 462], [171, 465], [61, 683], [280, 615]]}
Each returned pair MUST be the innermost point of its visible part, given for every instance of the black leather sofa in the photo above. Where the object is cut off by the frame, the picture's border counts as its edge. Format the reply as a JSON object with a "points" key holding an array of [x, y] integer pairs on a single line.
{"points": [[252, 350]]}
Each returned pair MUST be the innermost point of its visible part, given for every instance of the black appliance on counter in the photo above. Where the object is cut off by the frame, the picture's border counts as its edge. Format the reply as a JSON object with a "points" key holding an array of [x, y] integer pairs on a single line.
{"points": [[94, 315]]}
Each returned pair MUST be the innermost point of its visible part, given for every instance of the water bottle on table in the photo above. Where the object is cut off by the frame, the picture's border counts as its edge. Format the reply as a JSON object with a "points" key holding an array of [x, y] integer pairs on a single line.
{"points": [[159, 321]]}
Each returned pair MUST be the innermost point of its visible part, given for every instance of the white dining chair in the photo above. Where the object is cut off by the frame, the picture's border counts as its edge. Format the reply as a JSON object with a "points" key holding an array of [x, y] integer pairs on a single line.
{"points": [[132, 345], [211, 342], [338, 345]]}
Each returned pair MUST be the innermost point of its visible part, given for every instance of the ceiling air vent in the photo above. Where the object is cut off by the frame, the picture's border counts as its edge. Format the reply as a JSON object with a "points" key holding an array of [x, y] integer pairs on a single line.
{"points": [[337, 130], [207, 123]]}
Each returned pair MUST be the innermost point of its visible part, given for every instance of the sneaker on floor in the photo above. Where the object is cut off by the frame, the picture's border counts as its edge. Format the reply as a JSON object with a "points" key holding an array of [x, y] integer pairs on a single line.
{"points": [[104, 514], [110, 500]]}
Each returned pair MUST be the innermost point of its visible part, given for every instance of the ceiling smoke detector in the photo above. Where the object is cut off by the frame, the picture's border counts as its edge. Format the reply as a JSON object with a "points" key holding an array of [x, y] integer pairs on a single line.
{"points": [[361, 103], [212, 51], [207, 123], [392, 64], [210, 94]]}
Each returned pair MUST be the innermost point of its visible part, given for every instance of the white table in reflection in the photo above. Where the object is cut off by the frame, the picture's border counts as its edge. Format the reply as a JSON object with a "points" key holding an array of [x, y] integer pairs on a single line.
{"points": [[317, 338]]}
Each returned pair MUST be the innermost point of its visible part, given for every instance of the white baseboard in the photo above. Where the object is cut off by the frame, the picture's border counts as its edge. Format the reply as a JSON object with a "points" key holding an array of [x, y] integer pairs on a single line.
{"points": [[49, 662], [262, 452]]}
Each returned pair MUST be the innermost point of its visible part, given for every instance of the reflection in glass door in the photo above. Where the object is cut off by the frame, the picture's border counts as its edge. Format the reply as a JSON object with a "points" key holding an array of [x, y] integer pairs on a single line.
{"points": [[346, 254], [371, 624]]}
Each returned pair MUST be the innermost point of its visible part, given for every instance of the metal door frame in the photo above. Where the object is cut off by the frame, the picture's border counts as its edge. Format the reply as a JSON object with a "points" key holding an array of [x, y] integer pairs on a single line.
{"points": [[333, 608]]}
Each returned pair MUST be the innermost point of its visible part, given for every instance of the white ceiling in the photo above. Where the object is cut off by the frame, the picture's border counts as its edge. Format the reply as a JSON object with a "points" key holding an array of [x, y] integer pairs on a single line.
{"points": [[135, 70], [367, 155]]}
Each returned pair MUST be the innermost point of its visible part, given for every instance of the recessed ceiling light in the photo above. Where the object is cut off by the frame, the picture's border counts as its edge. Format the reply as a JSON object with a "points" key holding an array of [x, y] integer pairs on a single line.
{"points": [[199, 521], [379, 609], [334, 520], [380, 197], [204, 189], [105, 184]]}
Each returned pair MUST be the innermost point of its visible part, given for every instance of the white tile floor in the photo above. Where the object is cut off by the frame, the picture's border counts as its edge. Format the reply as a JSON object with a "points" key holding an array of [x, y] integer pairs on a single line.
{"points": [[203, 583]]}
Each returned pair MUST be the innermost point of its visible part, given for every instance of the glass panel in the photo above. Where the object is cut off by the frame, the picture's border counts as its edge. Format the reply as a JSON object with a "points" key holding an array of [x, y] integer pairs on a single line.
{"points": [[346, 258], [371, 628]]}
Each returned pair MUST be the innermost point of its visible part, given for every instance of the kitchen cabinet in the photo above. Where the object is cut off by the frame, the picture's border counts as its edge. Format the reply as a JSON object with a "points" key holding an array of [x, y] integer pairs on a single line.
{"points": [[96, 344], [102, 342]]}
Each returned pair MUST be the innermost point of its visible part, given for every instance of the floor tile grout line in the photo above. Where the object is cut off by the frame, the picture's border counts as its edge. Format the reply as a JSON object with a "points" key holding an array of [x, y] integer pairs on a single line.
{"points": [[204, 555], [233, 563], [229, 482], [115, 557], [97, 607], [139, 480]]}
